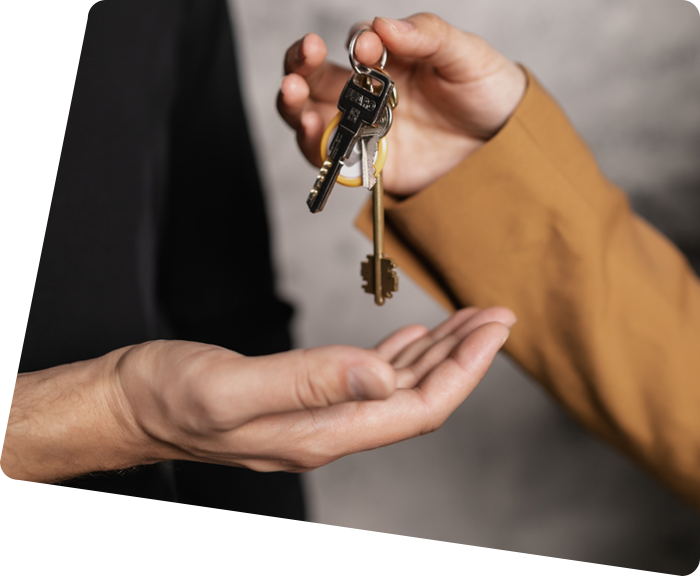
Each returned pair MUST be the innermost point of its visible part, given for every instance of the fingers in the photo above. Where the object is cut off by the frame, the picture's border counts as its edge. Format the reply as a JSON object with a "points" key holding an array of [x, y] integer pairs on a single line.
{"points": [[408, 355], [333, 374], [356, 28], [455, 378], [309, 136], [402, 338], [241, 389], [292, 98], [309, 93], [306, 440], [464, 320], [418, 360], [368, 47], [305, 55], [304, 66], [457, 55], [307, 58], [292, 103]]}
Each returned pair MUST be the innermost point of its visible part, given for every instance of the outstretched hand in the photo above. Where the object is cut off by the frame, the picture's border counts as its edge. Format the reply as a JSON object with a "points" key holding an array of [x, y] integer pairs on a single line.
{"points": [[299, 410], [293, 411], [455, 93]]}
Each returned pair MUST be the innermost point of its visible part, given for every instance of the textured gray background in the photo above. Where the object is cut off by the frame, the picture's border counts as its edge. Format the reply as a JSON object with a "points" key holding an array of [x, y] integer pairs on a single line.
{"points": [[509, 470]]}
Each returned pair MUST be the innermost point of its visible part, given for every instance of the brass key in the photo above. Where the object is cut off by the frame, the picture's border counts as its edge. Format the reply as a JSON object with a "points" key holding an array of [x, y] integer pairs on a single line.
{"points": [[379, 271], [366, 105]]}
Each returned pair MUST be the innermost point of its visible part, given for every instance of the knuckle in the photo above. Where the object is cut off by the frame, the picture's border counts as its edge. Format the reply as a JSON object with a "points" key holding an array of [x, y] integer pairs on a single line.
{"points": [[308, 393], [431, 425], [432, 21], [432, 419], [479, 45], [209, 403]]}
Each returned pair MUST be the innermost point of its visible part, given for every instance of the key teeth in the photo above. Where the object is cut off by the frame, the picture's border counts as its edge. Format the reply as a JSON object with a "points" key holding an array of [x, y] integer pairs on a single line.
{"points": [[390, 278], [367, 272], [311, 198], [322, 173]]}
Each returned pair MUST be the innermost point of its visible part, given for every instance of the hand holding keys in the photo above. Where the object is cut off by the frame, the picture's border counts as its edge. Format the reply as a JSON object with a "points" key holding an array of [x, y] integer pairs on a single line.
{"points": [[459, 90], [366, 104]]}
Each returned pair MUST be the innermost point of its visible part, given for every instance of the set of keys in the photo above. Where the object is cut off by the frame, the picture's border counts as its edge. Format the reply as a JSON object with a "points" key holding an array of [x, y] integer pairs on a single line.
{"points": [[354, 151]]}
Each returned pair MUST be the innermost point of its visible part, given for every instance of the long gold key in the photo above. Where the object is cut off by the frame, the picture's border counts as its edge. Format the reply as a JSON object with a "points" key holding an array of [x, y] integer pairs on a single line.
{"points": [[366, 114], [379, 271]]}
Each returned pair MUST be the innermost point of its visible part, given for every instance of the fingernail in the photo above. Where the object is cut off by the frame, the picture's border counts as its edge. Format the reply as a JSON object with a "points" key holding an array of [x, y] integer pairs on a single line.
{"points": [[512, 322], [362, 381], [399, 25]]}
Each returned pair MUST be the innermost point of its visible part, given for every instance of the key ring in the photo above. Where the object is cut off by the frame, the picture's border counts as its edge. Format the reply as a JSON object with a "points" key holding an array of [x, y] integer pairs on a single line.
{"points": [[356, 65], [354, 181]]}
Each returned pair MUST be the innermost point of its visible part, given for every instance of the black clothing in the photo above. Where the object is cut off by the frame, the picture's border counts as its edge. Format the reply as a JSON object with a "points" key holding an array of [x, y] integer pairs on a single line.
{"points": [[157, 224]]}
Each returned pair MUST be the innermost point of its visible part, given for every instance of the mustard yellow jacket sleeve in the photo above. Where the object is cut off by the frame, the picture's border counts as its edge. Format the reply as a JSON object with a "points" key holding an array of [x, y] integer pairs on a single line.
{"points": [[608, 309]]}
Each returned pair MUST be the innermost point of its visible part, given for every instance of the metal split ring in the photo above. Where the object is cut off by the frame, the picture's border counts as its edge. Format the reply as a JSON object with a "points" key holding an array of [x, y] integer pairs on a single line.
{"points": [[356, 65]]}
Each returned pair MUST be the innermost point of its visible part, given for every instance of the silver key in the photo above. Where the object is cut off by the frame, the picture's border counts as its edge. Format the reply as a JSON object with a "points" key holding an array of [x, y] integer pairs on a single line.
{"points": [[369, 139], [368, 145], [360, 107]]}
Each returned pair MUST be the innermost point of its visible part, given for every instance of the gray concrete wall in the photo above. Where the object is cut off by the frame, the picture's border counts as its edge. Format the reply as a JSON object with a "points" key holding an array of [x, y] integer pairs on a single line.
{"points": [[509, 470]]}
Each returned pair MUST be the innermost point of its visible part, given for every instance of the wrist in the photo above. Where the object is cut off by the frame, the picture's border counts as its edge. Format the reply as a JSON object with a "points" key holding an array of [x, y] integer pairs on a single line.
{"points": [[131, 377], [70, 420]]}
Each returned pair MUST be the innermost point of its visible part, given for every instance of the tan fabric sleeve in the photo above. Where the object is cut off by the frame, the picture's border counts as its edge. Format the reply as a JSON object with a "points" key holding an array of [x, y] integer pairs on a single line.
{"points": [[608, 309]]}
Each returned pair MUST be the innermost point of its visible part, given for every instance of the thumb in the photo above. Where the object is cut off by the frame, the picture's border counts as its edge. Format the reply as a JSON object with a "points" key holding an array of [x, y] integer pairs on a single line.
{"points": [[316, 378], [457, 55]]}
